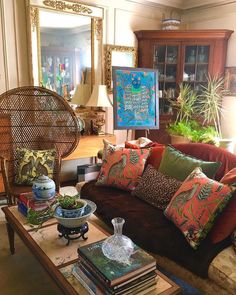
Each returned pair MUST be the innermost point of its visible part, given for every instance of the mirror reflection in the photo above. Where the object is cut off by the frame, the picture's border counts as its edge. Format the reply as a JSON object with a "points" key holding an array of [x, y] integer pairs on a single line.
{"points": [[65, 48]]}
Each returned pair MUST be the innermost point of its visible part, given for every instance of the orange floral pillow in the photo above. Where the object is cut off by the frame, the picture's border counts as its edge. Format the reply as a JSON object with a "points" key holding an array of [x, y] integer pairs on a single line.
{"points": [[122, 168], [197, 204]]}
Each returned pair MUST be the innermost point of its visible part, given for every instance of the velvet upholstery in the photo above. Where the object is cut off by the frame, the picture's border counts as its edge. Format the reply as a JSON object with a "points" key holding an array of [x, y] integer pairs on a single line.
{"points": [[150, 229]]}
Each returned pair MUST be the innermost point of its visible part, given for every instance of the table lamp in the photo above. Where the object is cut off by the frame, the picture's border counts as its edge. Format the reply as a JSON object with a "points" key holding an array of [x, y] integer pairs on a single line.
{"points": [[99, 99], [81, 94]]}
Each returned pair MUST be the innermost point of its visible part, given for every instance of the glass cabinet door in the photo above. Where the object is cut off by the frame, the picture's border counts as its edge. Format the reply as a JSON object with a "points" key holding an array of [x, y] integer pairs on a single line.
{"points": [[196, 63], [165, 60]]}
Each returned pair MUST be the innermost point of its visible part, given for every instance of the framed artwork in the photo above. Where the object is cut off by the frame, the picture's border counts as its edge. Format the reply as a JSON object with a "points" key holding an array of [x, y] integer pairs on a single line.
{"points": [[135, 100], [230, 80], [123, 56]]}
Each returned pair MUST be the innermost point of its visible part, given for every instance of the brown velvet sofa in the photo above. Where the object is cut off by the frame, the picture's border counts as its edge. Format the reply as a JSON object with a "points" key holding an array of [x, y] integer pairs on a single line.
{"points": [[149, 228]]}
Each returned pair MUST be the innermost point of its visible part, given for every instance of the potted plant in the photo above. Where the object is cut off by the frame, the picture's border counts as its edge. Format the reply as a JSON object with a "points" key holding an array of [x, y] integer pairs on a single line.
{"points": [[71, 206], [181, 129], [211, 110]]}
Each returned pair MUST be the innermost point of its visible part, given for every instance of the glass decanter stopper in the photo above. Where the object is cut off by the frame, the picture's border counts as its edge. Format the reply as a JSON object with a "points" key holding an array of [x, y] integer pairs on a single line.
{"points": [[118, 247]]}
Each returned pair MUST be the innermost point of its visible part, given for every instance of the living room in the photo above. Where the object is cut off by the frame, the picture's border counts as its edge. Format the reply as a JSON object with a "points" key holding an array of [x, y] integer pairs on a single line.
{"points": [[120, 20]]}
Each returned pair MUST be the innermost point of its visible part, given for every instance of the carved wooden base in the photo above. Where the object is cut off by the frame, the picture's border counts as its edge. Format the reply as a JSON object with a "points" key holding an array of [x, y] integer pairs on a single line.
{"points": [[68, 232]]}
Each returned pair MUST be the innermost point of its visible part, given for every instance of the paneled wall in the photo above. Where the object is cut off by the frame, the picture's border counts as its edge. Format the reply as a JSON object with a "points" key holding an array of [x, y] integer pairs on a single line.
{"points": [[220, 17]]}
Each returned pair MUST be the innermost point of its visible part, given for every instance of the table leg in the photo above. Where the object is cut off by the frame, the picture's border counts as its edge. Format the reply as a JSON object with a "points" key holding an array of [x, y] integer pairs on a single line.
{"points": [[10, 232]]}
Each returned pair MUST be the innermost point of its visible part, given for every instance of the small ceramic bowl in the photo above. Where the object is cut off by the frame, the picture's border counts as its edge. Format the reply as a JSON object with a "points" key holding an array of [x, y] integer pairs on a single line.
{"points": [[72, 213], [76, 221]]}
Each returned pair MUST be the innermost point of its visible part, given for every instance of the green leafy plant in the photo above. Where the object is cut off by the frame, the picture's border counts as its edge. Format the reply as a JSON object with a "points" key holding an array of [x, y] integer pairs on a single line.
{"points": [[185, 103], [69, 202], [181, 128], [210, 102]]}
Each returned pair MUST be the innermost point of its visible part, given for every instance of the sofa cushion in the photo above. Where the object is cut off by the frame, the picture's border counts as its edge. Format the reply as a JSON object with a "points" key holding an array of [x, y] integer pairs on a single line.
{"points": [[33, 163], [209, 152], [195, 206], [178, 165], [150, 229], [122, 168], [155, 156], [156, 188], [226, 223]]}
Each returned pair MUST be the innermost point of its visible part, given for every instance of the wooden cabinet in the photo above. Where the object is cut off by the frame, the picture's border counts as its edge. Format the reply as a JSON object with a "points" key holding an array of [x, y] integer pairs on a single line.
{"points": [[181, 56]]}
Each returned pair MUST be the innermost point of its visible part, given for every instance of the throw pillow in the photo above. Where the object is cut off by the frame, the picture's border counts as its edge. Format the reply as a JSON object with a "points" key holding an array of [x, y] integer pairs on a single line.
{"points": [[32, 163], [109, 148], [155, 156], [156, 188], [141, 142], [230, 177], [122, 168], [196, 205], [178, 165], [226, 223]]}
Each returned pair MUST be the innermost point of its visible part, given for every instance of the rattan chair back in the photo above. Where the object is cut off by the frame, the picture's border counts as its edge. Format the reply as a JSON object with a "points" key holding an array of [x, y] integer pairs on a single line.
{"points": [[34, 118]]}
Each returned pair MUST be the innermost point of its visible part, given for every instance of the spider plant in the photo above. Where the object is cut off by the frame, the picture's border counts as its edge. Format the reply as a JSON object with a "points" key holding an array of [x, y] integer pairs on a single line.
{"points": [[185, 103], [210, 102]]}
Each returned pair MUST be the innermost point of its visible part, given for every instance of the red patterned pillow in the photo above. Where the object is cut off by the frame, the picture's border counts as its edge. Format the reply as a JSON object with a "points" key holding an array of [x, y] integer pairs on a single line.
{"points": [[226, 223], [196, 205], [122, 168]]}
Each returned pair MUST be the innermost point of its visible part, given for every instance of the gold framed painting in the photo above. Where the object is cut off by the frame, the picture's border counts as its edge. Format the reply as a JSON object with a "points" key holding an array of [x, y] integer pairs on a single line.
{"points": [[230, 80], [115, 55]]}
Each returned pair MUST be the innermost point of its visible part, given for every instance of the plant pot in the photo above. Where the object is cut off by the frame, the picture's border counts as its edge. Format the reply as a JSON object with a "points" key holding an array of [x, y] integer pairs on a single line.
{"points": [[227, 143], [175, 139], [73, 213]]}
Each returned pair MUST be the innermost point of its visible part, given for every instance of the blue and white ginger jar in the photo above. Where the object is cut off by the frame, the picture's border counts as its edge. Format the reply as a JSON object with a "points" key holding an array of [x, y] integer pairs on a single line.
{"points": [[44, 188]]}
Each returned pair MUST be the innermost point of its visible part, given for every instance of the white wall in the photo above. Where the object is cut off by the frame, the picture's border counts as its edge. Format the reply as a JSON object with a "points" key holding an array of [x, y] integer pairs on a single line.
{"points": [[220, 17], [121, 19]]}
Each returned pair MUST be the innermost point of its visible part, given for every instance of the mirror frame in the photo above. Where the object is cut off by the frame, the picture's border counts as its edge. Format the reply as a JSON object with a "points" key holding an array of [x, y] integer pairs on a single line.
{"points": [[33, 25], [108, 49]]}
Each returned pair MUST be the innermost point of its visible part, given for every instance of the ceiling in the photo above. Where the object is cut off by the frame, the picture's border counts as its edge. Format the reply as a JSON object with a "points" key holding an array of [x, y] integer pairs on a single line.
{"points": [[185, 4]]}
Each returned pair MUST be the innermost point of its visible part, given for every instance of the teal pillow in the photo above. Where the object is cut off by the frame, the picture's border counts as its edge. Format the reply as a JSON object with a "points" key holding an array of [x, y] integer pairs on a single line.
{"points": [[178, 165]]}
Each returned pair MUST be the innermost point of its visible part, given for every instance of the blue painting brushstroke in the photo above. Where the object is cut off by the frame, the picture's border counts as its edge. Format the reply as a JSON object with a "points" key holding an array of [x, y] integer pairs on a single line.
{"points": [[136, 98]]}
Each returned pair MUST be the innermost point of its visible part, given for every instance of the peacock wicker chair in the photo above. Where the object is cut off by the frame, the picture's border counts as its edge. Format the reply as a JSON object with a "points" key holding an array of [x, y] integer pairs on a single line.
{"points": [[37, 119]]}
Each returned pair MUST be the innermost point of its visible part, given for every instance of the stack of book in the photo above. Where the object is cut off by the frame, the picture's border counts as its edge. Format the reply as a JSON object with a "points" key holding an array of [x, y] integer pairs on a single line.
{"points": [[102, 276], [27, 200]]}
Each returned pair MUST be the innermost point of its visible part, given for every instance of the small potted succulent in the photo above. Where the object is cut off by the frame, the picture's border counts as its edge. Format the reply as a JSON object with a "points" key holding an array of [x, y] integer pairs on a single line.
{"points": [[71, 206]]}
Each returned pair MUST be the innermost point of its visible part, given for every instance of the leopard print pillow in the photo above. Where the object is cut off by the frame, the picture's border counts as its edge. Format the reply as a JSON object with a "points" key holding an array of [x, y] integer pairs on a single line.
{"points": [[156, 188]]}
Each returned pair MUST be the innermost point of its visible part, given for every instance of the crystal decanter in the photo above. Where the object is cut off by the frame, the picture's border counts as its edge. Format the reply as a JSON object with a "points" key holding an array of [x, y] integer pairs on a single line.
{"points": [[118, 247]]}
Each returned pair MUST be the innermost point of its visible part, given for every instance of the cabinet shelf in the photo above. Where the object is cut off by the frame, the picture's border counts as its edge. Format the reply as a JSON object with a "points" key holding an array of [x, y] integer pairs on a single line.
{"points": [[199, 48]]}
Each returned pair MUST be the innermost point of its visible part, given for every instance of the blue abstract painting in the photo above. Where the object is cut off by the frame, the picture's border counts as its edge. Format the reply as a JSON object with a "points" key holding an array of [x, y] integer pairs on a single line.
{"points": [[135, 98]]}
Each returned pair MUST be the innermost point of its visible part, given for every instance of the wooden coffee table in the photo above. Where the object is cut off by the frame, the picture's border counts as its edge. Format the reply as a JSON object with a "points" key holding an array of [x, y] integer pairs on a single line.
{"points": [[59, 259]]}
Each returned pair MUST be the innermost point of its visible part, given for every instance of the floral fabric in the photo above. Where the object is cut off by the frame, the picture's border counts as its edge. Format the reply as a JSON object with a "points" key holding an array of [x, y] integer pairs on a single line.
{"points": [[196, 204], [122, 168], [33, 163]]}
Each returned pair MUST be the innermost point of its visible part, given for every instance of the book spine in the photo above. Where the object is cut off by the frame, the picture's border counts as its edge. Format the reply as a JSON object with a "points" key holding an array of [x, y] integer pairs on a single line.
{"points": [[91, 276], [88, 284], [93, 269]]}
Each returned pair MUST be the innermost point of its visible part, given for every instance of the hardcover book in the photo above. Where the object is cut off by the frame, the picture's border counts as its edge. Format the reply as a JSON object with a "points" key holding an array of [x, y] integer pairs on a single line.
{"points": [[30, 202], [85, 279], [114, 272]]}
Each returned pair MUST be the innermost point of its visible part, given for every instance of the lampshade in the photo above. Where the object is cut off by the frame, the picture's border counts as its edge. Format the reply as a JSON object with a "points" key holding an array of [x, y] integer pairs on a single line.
{"points": [[82, 94], [99, 97]]}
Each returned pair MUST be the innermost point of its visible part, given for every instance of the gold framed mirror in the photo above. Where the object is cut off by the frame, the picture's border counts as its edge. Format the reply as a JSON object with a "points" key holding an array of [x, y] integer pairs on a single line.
{"points": [[65, 39], [115, 55]]}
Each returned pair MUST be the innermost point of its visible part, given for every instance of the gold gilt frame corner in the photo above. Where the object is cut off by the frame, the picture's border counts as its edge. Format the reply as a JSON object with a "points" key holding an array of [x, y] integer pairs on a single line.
{"points": [[108, 49]]}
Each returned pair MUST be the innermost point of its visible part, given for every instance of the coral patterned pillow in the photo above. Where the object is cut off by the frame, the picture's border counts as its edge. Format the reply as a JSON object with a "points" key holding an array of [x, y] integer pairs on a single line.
{"points": [[196, 205], [122, 168]]}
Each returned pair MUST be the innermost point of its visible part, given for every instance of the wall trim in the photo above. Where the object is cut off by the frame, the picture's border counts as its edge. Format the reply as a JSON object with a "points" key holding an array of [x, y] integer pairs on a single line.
{"points": [[6, 74], [207, 6]]}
